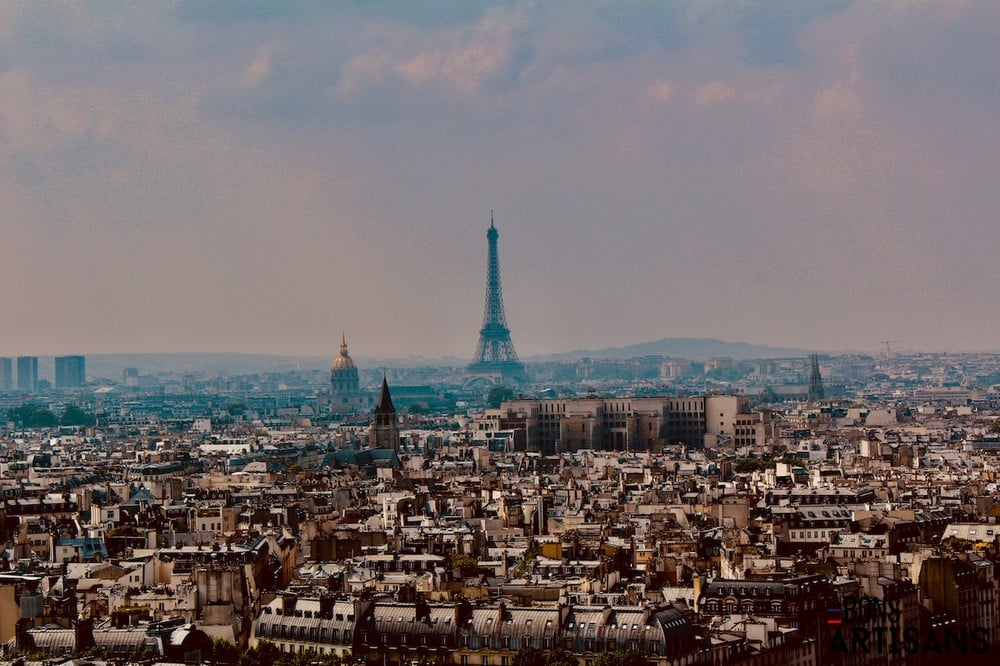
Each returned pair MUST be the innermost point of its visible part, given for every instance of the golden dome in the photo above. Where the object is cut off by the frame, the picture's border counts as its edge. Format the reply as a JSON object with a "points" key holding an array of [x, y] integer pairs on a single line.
{"points": [[344, 361]]}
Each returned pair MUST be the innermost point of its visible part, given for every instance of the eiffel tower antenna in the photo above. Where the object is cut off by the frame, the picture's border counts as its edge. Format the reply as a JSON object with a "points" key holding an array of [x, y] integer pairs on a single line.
{"points": [[495, 357]]}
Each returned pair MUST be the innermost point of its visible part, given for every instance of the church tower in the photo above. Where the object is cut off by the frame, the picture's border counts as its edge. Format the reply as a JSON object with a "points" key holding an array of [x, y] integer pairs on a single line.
{"points": [[384, 432], [345, 388], [816, 391]]}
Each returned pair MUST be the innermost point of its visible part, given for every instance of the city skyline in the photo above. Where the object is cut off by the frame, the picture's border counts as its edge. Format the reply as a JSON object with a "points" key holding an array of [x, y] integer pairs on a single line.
{"points": [[259, 178]]}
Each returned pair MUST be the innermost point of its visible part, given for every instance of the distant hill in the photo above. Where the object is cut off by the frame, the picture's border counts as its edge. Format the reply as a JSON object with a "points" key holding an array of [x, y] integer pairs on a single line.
{"points": [[110, 366], [693, 349]]}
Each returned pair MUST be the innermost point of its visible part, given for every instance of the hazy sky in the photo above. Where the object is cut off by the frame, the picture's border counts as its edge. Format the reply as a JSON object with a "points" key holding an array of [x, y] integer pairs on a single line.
{"points": [[258, 176]]}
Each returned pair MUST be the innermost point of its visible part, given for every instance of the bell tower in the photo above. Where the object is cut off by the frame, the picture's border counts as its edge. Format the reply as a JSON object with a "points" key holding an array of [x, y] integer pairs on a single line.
{"points": [[384, 431]]}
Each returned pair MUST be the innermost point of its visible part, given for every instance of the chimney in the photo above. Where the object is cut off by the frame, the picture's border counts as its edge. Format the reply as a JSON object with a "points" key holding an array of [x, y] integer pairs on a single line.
{"points": [[84, 632], [326, 606], [23, 639], [422, 609]]}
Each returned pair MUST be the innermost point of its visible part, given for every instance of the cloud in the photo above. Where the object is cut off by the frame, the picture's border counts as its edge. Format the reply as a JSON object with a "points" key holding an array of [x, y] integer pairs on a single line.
{"points": [[474, 58], [332, 164], [259, 70], [713, 93], [662, 91], [37, 119], [838, 102]]}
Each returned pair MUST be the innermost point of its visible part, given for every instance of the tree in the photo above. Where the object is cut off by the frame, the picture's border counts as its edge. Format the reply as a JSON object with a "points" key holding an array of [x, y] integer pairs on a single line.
{"points": [[466, 564], [529, 656], [265, 654], [526, 561], [224, 652], [32, 416], [499, 394], [620, 658], [74, 416], [561, 657], [747, 465]]}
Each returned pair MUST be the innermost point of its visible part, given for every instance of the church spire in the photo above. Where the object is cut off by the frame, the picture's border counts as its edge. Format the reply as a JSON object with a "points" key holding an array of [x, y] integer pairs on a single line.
{"points": [[384, 430], [816, 391], [384, 404]]}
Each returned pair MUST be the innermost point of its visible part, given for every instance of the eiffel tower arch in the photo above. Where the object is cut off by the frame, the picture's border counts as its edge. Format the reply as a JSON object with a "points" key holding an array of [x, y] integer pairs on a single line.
{"points": [[495, 358]]}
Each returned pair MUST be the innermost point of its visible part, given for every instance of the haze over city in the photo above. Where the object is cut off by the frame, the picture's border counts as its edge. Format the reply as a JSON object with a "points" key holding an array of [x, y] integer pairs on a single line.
{"points": [[261, 177]]}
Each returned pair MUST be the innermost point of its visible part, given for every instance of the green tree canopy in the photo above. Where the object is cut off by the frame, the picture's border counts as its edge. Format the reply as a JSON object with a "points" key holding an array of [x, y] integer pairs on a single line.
{"points": [[32, 416], [561, 657], [74, 416], [224, 652], [498, 394], [529, 656], [747, 465], [466, 564], [620, 658]]}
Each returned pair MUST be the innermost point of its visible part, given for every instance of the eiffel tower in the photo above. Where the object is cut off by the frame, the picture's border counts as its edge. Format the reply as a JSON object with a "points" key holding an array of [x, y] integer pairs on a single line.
{"points": [[495, 357]]}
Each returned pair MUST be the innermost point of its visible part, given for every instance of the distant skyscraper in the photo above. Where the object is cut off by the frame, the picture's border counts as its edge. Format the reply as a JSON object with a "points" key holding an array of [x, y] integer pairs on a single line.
{"points": [[495, 357], [71, 371], [384, 432], [816, 391], [27, 373], [6, 374]]}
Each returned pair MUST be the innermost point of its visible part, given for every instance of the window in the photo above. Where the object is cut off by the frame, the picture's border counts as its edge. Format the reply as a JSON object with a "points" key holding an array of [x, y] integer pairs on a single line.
{"points": [[486, 661]]}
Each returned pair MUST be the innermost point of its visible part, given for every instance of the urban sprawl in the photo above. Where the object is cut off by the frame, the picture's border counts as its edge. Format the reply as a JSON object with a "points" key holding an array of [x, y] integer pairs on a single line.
{"points": [[817, 510]]}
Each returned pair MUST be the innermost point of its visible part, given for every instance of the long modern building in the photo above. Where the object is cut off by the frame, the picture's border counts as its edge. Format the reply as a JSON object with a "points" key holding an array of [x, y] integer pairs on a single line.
{"points": [[553, 426], [71, 371]]}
